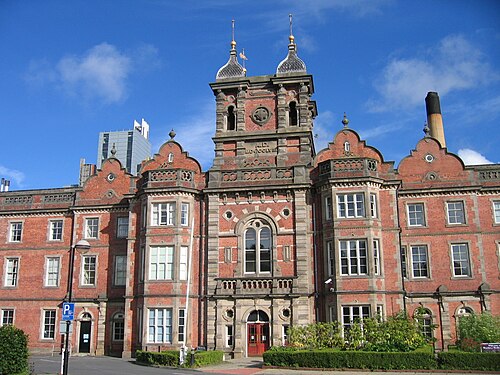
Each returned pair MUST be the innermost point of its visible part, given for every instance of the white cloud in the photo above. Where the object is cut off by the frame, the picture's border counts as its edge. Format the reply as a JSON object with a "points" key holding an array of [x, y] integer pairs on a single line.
{"points": [[194, 134], [12, 174], [454, 64], [326, 125], [471, 157], [101, 72]]}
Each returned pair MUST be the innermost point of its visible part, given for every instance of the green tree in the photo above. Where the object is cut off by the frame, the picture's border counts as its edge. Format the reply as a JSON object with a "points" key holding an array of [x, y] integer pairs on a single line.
{"points": [[13, 350], [476, 329]]}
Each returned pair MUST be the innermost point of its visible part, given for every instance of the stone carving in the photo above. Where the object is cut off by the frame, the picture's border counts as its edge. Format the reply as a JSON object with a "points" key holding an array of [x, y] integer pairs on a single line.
{"points": [[261, 115]]}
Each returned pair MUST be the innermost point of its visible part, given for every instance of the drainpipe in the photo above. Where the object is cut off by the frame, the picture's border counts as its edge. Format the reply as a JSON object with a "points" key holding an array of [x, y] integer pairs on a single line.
{"points": [[316, 274], [400, 250]]}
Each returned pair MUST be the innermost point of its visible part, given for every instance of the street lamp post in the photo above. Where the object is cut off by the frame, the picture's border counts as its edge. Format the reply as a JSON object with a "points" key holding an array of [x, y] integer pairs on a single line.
{"points": [[82, 246]]}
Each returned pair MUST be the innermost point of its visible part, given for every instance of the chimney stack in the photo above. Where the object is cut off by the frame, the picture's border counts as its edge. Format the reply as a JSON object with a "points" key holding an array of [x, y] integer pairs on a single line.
{"points": [[434, 117]]}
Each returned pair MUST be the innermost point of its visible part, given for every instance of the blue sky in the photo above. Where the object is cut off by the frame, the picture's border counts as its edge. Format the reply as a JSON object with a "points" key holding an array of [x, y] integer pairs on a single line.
{"points": [[71, 69]]}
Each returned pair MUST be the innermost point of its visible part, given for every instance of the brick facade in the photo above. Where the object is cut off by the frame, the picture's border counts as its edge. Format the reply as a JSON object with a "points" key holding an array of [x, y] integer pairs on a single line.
{"points": [[272, 235]]}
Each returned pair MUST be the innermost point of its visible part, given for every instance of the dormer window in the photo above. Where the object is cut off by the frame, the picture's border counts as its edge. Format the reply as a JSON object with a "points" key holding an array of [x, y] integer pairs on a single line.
{"points": [[292, 114], [231, 118]]}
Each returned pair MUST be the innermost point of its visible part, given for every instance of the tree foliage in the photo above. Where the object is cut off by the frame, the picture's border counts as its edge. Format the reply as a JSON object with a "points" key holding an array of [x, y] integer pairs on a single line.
{"points": [[13, 350], [476, 329]]}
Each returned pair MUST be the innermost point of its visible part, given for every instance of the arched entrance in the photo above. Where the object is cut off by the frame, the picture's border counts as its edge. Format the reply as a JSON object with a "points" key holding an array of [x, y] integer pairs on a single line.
{"points": [[85, 333], [257, 333]]}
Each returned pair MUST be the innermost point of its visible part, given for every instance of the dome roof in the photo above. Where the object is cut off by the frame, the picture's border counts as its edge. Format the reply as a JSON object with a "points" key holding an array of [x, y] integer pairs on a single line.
{"points": [[292, 63], [232, 69]]}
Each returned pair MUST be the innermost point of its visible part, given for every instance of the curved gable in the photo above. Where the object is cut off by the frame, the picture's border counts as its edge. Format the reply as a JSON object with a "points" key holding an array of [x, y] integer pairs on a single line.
{"points": [[430, 163], [108, 185]]}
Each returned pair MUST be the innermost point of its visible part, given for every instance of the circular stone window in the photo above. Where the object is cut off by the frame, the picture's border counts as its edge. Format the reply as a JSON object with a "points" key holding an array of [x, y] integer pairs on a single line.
{"points": [[285, 313], [429, 158], [229, 314], [111, 177], [285, 212], [228, 215]]}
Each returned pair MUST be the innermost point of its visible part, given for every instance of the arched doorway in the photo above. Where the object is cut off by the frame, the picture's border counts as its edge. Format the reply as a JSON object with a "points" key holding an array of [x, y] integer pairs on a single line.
{"points": [[85, 333], [257, 333]]}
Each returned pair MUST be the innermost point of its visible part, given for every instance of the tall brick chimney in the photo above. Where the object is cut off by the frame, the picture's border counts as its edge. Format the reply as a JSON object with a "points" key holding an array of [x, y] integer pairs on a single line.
{"points": [[434, 117]]}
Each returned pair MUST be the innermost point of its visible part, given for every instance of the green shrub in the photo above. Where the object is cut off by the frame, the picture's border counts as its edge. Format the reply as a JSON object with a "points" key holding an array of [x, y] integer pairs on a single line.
{"points": [[455, 360], [399, 333], [419, 359], [475, 329], [206, 358], [13, 350], [166, 358], [170, 358]]}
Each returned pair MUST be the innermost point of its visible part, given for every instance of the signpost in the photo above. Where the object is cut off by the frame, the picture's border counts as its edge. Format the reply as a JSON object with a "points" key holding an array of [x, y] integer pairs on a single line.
{"points": [[68, 312]]}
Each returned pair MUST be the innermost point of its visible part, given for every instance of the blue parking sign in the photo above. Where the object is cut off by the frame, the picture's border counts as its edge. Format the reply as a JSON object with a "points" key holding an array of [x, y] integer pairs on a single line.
{"points": [[68, 312]]}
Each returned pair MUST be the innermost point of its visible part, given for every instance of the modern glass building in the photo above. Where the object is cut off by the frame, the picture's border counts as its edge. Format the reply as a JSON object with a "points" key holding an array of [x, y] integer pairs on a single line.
{"points": [[131, 147]]}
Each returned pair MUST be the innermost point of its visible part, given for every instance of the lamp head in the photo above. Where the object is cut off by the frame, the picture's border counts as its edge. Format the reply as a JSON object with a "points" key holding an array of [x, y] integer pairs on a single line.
{"points": [[82, 246]]}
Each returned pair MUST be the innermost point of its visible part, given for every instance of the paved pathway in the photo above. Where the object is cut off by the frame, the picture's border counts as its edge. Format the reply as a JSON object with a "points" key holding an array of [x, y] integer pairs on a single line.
{"points": [[244, 366]]}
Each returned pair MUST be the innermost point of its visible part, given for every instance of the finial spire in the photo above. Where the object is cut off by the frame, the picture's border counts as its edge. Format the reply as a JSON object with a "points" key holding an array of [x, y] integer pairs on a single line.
{"points": [[292, 63], [345, 120], [232, 69], [113, 150], [427, 130], [291, 37], [233, 42]]}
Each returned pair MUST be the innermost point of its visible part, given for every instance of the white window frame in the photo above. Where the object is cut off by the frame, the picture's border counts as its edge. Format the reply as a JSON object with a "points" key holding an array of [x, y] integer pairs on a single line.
{"points": [[416, 218], [160, 330], [163, 214], [229, 340], [354, 312], [328, 208], [16, 231], [355, 265], [496, 211], [161, 262], [284, 334], [11, 279], [184, 214], [122, 227], [425, 250], [258, 226], [181, 325], [330, 249], [52, 271], [49, 317], [118, 327], [56, 230], [183, 263], [89, 270], [376, 258], [460, 259], [120, 270], [455, 213], [351, 205], [91, 228], [7, 317], [373, 206]]}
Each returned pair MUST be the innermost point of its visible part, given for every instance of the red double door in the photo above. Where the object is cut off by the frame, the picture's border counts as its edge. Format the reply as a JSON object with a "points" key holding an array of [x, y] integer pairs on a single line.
{"points": [[257, 338]]}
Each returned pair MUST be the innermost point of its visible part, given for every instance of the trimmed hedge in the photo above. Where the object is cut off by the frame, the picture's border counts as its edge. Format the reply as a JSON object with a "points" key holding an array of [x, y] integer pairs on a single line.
{"points": [[166, 358], [13, 350], [423, 358], [328, 358], [454, 360], [207, 358], [170, 358]]}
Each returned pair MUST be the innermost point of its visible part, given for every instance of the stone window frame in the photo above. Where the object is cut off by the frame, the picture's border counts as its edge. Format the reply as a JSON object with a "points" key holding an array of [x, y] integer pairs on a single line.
{"points": [[421, 214], [15, 232], [52, 230], [49, 271], [468, 260], [455, 211]]}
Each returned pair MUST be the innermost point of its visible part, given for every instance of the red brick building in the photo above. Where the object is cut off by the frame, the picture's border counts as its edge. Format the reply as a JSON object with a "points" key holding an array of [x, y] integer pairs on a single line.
{"points": [[272, 235]]}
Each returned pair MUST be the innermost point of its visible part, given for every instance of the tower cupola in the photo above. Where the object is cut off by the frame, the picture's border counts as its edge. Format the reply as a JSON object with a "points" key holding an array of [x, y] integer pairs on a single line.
{"points": [[232, 69], [292, 63]]}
